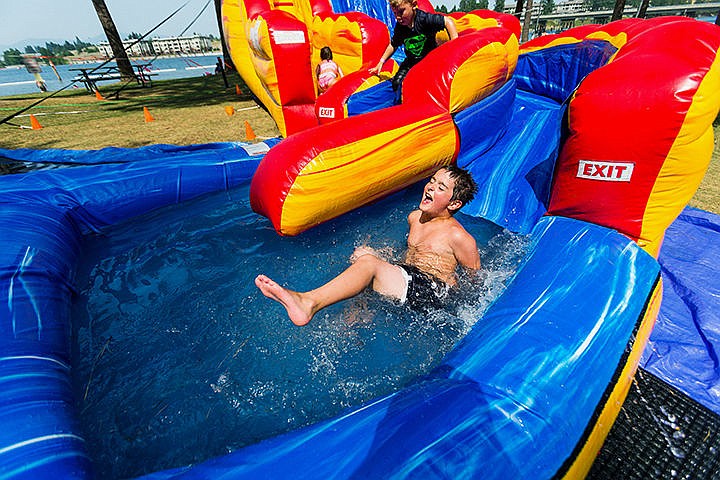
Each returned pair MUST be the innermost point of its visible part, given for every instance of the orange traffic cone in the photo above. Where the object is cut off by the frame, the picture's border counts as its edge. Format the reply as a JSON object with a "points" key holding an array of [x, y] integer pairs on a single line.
{"points": [[237, 90], [98, 95], [249, 134], [148, 117], [230, 110], [34, 123]]}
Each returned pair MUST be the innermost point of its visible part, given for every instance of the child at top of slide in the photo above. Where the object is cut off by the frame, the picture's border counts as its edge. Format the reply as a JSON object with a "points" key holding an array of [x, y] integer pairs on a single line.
{"points": [[328, 72], [415, 29]]}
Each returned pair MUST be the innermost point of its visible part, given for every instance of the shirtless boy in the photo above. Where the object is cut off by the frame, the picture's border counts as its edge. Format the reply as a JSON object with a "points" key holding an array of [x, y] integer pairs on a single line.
{"points": [[437, 244]]}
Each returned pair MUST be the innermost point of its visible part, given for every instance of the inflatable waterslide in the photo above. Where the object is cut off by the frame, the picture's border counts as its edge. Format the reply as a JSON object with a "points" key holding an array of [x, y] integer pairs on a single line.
{"points": [[534, 392]]}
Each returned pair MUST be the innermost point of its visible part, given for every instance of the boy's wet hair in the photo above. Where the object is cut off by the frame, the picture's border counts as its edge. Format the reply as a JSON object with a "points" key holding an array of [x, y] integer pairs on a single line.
{"points": [[396, 3], [465, 187], [325, 53]]}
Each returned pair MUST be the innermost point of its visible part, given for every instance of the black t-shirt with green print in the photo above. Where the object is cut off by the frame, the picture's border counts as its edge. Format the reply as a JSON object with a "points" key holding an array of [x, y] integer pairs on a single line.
{"points": [[419, 39]]}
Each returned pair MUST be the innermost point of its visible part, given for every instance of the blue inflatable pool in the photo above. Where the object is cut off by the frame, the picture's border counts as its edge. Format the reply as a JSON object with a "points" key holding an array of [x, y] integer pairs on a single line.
{"points": [[502, 395]]}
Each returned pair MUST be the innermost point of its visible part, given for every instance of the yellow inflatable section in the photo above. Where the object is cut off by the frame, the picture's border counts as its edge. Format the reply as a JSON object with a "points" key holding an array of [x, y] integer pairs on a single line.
{"points": [[275, 47]]}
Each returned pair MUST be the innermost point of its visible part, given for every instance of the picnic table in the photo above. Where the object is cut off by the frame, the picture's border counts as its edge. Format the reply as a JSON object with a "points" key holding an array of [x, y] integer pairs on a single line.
{"points": [[91, 75]]}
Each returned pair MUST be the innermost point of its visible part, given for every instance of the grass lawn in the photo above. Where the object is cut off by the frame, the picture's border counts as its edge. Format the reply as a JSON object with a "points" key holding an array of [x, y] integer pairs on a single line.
{"points": [[186, 111], [708, 195]]}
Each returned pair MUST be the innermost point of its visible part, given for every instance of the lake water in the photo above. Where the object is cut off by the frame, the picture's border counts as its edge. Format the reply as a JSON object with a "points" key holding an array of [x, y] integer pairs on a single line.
{"points": [[17, 80]]}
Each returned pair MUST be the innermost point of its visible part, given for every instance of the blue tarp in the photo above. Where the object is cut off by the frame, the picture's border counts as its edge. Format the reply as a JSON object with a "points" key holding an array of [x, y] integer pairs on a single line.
{"points": [[685, 343]]}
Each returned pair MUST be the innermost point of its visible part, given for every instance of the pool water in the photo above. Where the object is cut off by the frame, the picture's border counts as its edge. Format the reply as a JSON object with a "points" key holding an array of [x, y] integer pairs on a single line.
{"points": [[179, 358]]}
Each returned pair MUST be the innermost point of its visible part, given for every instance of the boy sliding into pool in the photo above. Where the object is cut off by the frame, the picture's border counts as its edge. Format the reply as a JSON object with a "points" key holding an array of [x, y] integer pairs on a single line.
{"points": [[437, 244], [415, 29]]}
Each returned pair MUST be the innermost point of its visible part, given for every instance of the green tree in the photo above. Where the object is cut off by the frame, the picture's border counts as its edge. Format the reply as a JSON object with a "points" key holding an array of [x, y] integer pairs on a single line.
{"points": [[442, 9], [499, 5], [547, 7], [80, 45], [12, 56]]}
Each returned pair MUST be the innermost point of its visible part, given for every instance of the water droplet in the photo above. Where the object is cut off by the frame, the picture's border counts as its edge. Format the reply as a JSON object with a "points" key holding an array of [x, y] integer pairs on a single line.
{"points": [[678, 453]]}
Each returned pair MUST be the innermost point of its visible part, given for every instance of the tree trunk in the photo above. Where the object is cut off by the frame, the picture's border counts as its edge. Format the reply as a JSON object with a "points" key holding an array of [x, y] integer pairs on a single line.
{"points": [[642, 10], [518, 8], [226, 53], [121, 58], [618, 10], [526, 21]]}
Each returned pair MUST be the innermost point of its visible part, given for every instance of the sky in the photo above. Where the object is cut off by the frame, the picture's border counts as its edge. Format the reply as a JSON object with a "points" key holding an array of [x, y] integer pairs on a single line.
{"points": [[33, 22]]}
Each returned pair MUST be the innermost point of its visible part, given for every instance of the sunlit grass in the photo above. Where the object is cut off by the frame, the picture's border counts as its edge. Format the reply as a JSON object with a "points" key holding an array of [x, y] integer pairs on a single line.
{"points": [[708, 195], [186, 111]]}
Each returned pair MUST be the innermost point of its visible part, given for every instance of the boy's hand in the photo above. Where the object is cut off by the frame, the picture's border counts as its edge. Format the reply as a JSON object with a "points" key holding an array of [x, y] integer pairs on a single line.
{"points": [[385, 56]]}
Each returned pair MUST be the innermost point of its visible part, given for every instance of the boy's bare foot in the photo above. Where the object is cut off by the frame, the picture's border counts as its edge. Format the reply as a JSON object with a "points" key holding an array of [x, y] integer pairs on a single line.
{"points": [[297, 310]]}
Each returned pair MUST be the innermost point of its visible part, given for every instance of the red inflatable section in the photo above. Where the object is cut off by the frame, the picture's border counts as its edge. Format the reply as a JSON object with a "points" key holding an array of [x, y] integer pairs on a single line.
{"points": [[626, 139]]}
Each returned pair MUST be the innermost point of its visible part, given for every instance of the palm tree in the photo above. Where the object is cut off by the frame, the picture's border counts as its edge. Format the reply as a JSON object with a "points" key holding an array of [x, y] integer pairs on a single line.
{"points": [[618, 10], [527, 21], [121, 58], [218, 14]]}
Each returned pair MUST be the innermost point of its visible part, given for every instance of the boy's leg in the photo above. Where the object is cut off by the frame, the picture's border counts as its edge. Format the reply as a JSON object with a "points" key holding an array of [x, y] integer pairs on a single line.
{"points": [[397, 81], [367, 271]]}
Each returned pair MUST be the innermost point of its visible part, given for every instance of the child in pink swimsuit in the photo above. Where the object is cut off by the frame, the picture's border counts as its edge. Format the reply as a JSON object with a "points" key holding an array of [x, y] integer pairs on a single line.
{"points": [[327, 70]]}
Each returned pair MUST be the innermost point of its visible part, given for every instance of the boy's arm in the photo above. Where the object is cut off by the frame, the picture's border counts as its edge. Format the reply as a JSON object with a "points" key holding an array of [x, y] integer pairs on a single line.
{"points": [[465, 249], [450, 27], [386, 54]]}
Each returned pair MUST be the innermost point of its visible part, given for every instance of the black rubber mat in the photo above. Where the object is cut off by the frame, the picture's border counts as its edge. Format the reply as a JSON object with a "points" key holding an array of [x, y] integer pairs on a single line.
{"points": [[660, 433]]}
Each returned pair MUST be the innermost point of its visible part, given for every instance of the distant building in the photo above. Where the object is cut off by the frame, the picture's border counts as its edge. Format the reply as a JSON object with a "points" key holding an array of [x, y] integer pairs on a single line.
{"points": [[536, 8], [180, 45], [561, 7], [143, 48], [570, 6], [162, 46]]}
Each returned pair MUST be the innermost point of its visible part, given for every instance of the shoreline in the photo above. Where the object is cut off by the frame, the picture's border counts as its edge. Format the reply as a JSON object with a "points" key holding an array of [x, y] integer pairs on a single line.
{"points": [[86, 60]]}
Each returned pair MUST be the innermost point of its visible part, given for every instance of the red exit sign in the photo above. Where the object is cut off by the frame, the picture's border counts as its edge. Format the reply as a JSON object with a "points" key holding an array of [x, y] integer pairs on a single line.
{"points": [[605, 171]]}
